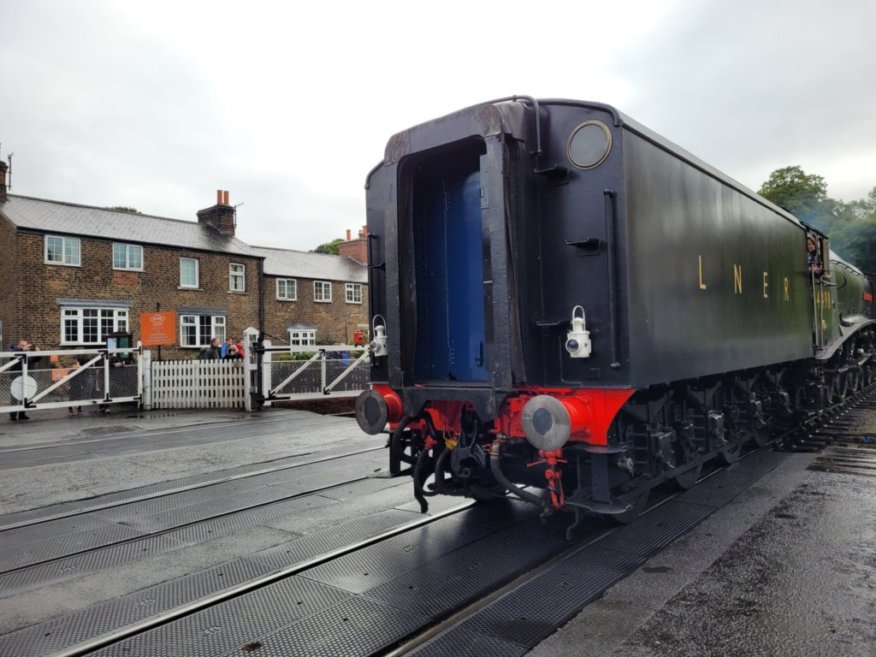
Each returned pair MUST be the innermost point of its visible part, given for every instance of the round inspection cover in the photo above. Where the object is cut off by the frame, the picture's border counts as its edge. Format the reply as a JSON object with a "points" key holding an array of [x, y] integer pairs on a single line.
{"points": [[546, 422], [371, 412]]}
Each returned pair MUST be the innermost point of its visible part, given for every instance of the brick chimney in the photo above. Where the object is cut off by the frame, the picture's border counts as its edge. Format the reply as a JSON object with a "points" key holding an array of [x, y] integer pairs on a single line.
{"points": [[3, 168], [356, 248], [220, 216]]}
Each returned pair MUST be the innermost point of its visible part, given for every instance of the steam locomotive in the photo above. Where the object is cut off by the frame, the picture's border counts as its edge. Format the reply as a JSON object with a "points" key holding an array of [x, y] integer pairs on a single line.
{"points": [[570, 308]]}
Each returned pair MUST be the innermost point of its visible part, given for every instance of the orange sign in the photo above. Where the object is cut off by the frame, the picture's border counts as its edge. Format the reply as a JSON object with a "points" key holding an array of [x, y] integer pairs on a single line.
{"points": [[157, 329]]}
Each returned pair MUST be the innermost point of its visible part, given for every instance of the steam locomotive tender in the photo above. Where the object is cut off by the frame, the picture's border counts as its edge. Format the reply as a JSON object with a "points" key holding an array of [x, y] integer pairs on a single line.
{"points": [[564, 300]]}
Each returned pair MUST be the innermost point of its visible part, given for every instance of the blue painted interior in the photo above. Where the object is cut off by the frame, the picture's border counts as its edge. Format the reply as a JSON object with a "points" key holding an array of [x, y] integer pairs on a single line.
{"points": [[448, 245]]}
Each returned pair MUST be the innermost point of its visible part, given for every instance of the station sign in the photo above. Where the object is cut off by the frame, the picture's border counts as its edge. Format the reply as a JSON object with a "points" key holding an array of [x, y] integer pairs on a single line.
{"points": [[158, 329]]}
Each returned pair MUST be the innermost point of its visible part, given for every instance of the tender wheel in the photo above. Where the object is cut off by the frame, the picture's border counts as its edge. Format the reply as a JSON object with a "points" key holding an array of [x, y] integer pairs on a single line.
{"points": [[482, 494], [842, 387], [730, 454], [688, 478], [637, 505], [854, 379], [761, 437]]}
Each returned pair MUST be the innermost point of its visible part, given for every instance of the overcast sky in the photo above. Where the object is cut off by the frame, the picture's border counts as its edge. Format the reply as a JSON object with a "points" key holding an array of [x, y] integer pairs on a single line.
{"points": [[157, 104]]}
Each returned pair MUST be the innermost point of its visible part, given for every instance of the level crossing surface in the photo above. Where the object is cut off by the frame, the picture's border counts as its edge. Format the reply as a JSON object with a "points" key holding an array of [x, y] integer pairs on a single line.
{"points": [[103, 517]]}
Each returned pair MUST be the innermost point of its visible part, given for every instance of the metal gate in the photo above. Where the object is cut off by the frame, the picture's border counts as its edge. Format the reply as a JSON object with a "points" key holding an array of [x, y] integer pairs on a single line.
{"points": [[277, 373], [68, 378]]}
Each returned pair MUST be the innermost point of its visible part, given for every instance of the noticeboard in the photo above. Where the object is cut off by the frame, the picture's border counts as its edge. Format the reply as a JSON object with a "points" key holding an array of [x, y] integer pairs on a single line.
{"points": [[158, 329]]}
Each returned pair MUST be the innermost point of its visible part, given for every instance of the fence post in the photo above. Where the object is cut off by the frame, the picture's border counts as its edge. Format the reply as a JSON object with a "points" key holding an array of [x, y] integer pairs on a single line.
{"points": [[322, 370], [145, 365], [265, 383], [250, 335]]}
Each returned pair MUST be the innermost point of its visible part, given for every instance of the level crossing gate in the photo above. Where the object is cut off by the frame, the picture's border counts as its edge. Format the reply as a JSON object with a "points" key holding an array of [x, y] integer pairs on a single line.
{"points": [[279, 373], [69, 378], [269, 373]]}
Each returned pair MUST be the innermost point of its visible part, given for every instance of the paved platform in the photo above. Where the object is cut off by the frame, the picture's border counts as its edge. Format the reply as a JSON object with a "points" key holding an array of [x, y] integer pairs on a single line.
{"points": [[787, 568]]}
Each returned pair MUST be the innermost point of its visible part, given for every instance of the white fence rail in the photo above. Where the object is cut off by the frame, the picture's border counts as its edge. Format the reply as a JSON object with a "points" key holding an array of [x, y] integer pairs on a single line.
{"points": [[195, 384]]}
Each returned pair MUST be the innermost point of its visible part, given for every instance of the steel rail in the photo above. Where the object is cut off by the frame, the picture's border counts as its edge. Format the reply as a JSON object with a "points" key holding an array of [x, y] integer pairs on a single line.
{"points": [[466, 611], [119, 634], [190, 487]]}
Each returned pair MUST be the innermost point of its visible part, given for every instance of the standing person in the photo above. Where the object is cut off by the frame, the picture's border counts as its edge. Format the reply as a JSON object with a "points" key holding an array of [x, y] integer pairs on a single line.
{"points": [[213, 352], [32, 361], [239, 346], [223, 353]]}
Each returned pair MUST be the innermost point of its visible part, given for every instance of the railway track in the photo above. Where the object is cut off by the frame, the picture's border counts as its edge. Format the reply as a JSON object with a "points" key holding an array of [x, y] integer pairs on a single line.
{"points": [[165, 489], [385, 587], [123, 528], [843, 443], [474, 579]]}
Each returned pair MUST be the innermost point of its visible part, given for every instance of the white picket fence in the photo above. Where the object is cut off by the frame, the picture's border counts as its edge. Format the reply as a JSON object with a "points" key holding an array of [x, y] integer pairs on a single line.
{"points": [[195, 384]]}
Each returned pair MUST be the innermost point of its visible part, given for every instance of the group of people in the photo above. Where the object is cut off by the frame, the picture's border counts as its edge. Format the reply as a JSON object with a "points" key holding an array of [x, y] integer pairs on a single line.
{"points": [[228, 350]]}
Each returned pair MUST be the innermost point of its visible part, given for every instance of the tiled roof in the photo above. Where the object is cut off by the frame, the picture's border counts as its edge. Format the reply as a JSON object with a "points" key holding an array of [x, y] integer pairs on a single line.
{"points": [[303, 264], [71, 219]]}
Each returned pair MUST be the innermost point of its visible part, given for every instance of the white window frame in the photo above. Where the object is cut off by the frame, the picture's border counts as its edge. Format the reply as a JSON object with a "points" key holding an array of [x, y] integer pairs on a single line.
{"points": [[319, 288], [67, 257], [206, 327], [78, 317], [197, 273], [353, 293], [290, 283], [236, 277], [302, 337], [129, 248]]}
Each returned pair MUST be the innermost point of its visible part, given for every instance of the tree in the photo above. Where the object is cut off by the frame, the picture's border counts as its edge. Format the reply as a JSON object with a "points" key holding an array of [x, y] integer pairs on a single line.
{"points": [[864, 207], [851, 226], [330, 248], [803, 195], [853, 235]]}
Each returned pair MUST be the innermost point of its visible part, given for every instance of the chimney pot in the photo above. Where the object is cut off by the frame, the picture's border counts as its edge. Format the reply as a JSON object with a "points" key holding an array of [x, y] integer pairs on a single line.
{"points": [[3, 169], [220, 217]]}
